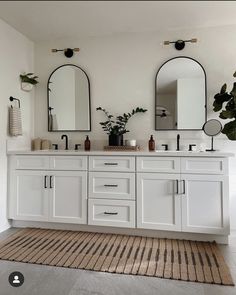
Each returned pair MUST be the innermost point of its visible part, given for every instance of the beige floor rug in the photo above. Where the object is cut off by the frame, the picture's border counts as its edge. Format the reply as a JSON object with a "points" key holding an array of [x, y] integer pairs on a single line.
{"points": [[163, 258]]}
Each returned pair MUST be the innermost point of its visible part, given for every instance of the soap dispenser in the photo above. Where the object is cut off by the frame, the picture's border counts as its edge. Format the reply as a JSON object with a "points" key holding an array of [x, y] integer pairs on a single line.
{"points": [[151, 144], [87, 144]]}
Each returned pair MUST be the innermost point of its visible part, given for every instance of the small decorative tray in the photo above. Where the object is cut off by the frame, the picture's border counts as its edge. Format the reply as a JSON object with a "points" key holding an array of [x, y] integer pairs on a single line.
{"points": [[121, 148]]}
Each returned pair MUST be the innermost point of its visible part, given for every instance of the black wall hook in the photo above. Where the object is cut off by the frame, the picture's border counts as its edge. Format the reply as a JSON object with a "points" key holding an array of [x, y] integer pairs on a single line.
{"points": [[13, 98]]}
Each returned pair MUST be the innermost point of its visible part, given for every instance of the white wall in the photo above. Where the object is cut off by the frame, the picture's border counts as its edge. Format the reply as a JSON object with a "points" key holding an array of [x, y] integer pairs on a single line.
{"points": [[16, 56], [122, 70]]}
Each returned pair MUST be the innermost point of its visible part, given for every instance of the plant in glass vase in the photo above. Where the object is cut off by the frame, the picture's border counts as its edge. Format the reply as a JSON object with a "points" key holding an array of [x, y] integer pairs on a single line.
{"points": [[115, 127]]}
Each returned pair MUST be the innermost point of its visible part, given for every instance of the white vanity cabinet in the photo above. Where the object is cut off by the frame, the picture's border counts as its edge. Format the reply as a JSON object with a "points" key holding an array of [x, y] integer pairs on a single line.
{"points": [[48, 194], [193, 201], [180, 192]]}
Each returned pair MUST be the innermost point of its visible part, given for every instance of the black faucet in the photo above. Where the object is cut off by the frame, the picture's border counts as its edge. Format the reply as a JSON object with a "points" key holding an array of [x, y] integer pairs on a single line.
{"points": [[178, 138], [66, 137]]}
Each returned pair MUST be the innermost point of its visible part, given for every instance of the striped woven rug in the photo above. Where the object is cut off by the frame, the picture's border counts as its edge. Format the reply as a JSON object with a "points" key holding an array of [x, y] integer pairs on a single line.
{"points": [[163, 258]]}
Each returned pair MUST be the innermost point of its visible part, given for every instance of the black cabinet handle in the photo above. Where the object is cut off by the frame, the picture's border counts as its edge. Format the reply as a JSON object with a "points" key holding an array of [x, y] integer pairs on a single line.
{"points": [[111, 164], [50, 182], [111, 185], [177, 186], [111, 213], [45, 181], [184, 187]]}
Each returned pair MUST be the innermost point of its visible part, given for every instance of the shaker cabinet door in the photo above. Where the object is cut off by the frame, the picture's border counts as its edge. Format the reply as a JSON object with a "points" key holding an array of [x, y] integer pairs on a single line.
{"points": [[158, 205], [205, 204], [68, 198], [30, 195]]}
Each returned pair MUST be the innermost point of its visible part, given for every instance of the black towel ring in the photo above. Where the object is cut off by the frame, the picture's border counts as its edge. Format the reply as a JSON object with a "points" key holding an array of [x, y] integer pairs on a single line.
{"points": [[13, 98]]}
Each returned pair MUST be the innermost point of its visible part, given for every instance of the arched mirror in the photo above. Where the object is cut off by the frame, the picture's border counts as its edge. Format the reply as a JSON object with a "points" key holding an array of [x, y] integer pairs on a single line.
{"points": [[69, 99], [180, 95]]}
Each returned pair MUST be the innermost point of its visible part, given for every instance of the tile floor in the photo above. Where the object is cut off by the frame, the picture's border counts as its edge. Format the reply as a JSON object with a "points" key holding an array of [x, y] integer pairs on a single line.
{"points": [[47, 280]]}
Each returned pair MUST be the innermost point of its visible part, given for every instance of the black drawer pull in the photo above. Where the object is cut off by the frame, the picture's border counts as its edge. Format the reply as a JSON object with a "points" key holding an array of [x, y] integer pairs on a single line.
{"points": [[111, 185], [111, 164], [111, 213]]}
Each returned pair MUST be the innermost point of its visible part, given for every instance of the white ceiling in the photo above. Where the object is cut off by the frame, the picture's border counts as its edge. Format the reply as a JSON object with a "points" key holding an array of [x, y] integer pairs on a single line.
{"points": [[45, 20]]}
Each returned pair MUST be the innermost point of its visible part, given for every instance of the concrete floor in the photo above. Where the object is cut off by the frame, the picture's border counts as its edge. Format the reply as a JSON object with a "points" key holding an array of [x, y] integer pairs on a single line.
{"points": [[47, 280]]}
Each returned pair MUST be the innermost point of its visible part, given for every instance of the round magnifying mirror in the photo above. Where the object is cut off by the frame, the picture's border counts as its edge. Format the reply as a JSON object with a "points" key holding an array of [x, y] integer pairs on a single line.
{"points": [[212, 128]]}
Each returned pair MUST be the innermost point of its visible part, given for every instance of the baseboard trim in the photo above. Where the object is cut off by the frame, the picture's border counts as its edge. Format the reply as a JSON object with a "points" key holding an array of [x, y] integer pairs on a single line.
{"points": [[221, 239], [5, 227]]}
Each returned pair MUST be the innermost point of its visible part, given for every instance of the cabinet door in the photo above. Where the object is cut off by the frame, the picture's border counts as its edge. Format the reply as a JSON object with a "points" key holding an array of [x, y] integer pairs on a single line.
{"points": [[158, 205], [68, 198], [205, 204], [30, 195]]}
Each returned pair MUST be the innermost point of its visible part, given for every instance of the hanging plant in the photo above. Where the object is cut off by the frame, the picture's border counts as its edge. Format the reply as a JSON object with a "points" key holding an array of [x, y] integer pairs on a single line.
{"points": [[29, 78], [228, 110], [28, 81]]}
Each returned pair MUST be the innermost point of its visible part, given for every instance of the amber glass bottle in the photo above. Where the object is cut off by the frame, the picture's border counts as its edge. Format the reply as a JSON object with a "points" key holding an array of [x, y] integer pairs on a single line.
{"points": [[87, 144], [151, 144]]}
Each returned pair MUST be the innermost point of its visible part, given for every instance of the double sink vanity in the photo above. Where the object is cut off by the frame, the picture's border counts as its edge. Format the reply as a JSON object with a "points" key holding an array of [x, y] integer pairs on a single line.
{"points": [[183, 192], [134, 192]]}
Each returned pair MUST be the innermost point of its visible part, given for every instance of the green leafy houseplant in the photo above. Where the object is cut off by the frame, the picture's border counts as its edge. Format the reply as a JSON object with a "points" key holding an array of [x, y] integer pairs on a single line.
{"points": [[29, 78], [230, 109], [116, 126]]}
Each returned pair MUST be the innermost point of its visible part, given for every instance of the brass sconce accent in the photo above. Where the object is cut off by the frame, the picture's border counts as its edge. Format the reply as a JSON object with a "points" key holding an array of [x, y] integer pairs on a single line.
{"points": [[180, 44], [68, 52]]}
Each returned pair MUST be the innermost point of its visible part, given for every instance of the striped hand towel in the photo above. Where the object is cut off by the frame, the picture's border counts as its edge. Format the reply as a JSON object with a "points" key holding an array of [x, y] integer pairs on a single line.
{"points": [[15, 124]]}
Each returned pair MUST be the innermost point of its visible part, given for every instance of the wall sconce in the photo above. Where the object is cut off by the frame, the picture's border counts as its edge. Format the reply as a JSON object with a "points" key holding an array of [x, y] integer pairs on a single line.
{"points": [[180, 44], [68, 52]]}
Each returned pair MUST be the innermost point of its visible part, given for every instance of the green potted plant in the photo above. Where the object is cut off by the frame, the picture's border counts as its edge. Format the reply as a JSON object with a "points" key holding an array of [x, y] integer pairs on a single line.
{"points": [[28, 81], [115, 127], [227, 101]]}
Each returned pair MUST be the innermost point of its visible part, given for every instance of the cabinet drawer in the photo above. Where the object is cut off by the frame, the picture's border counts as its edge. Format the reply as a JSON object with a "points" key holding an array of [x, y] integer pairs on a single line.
{"points": [[111, 213], [31, 162], [112, 185], [110, 163], [204, 165], [68, 163], [158, 164]]}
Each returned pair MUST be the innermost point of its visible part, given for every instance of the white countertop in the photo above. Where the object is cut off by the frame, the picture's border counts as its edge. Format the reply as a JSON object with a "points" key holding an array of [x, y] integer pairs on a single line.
{"points": [[123, 153]]}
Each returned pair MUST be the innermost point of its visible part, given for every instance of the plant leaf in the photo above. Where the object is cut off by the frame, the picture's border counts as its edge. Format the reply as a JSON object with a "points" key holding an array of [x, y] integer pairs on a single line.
{"points": [[233, 91], [220, 98], [227, 114], [230, 130], [223, 89]]}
